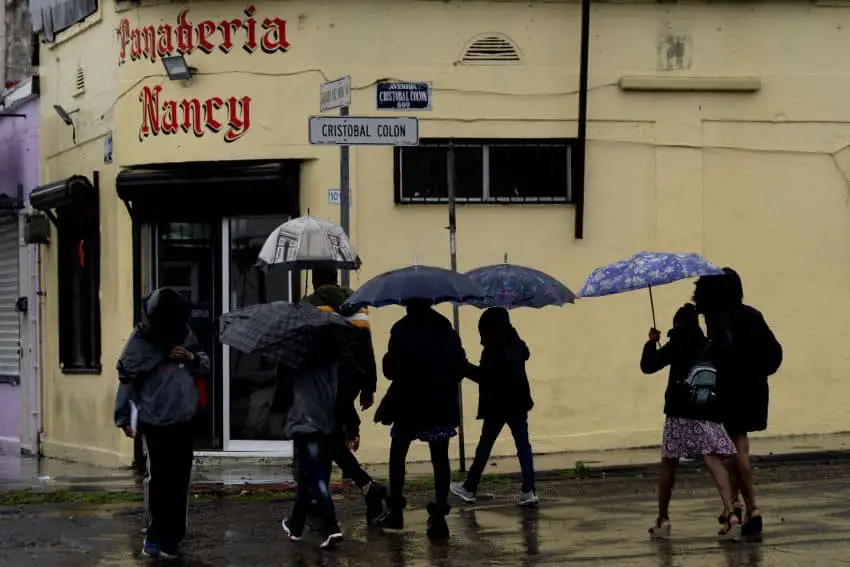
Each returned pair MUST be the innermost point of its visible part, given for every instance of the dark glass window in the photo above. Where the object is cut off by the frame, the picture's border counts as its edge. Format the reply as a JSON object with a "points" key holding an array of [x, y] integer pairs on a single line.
{"points": [[78, 251], [486, 171]]}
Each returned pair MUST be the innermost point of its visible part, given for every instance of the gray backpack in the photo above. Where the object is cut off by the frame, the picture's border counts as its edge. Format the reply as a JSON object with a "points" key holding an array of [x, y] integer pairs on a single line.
{"points": [[702, 383]]}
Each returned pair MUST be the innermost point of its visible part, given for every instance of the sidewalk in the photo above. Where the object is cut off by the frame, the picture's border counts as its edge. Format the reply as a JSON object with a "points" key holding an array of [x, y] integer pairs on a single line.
{"points": [[22, 473]]}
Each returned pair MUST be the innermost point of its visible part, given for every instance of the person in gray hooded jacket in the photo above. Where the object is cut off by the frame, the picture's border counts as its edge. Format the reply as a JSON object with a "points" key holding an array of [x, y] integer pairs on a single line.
{"points": [[156, 373]]}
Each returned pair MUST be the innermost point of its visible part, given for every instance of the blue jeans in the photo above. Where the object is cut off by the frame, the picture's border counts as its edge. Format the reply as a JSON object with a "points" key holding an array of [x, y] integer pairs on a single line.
{"points": [[313, 465], [489, 433]]}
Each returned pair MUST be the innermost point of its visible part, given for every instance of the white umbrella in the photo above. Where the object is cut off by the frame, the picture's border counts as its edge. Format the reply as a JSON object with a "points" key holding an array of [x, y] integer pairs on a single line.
{"points": [[306, 243]]}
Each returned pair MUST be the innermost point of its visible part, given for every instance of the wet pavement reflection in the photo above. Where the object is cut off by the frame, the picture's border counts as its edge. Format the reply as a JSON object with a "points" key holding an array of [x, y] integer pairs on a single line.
{"points": [[578, 523]]}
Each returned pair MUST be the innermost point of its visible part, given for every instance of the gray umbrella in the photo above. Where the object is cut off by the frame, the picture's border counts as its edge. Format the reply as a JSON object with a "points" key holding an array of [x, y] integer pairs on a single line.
{"points": [[306, 243], [282, 330]]}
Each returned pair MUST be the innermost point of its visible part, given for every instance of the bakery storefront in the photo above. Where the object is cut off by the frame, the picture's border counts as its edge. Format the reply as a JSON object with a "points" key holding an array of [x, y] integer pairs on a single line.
{"points": [[204, 185]]}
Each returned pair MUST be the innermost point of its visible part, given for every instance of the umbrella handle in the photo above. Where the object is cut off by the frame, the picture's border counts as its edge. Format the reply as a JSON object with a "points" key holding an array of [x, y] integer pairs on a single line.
{"points": [[652, 305]]}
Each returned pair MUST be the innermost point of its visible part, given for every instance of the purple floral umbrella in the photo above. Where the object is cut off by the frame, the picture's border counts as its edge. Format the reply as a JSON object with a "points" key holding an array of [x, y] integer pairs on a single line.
{"points": [[644, 270]]}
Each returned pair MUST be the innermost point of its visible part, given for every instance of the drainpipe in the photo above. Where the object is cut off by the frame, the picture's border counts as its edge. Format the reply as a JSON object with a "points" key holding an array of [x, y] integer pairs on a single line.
{"points": [[38, 381], [582, 119]]}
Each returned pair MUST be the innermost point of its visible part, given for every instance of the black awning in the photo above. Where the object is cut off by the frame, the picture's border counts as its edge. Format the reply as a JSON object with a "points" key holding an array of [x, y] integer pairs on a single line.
{"points": [[60, 194], [210, 189]]}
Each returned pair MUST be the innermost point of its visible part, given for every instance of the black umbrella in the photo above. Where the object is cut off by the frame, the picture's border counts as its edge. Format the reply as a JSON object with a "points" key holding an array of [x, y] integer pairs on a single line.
{"points": [[282, 330], [436, 285]]}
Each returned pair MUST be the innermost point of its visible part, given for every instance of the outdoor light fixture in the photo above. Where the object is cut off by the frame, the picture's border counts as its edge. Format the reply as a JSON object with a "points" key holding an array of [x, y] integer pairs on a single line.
{"points": [[66, 118], [177, 69]]}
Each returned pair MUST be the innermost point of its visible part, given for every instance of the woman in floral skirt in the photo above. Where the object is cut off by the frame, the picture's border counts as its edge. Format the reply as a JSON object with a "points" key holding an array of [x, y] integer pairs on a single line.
{"points": [[693, 427], [425, 362]]}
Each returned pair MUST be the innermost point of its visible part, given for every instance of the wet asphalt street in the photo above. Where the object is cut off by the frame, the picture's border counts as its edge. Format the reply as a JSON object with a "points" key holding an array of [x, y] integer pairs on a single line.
{"points": [[595, 521]]}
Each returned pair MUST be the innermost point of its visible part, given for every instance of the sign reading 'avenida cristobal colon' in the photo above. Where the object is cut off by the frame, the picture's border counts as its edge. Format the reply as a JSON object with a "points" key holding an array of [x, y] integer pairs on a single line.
{"points": [[232, 114]]}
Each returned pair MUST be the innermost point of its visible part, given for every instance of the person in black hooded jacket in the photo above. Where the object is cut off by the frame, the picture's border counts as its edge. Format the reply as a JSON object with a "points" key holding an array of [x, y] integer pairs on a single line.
{"points": [[504, 398], [747, 354], [692, 428]]}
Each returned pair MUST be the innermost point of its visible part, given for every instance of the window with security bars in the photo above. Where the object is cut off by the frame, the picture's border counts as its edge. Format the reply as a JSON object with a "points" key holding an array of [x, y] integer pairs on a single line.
{"points": [[520, 171]]}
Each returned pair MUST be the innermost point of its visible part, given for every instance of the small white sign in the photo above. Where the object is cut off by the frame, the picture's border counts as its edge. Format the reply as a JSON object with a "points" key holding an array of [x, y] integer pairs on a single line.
{"points": [[334, 197], [364, 131], [335, 94]]}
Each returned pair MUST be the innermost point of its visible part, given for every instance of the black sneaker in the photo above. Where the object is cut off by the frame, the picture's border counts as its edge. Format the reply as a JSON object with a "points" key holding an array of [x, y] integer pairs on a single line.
{"points": [[294, 533], [375, 495], [392, 519], [172, 552], [331, 539], [438, 528]]}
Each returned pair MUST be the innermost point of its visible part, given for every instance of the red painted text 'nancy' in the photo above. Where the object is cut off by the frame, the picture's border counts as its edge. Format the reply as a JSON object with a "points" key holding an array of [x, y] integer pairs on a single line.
{"points": [[192, 115], [152, 42]]}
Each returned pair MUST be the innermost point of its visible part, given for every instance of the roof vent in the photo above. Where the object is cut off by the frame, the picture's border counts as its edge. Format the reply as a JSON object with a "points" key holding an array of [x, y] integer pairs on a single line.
{"points": [[489, 49], [79, 81]]}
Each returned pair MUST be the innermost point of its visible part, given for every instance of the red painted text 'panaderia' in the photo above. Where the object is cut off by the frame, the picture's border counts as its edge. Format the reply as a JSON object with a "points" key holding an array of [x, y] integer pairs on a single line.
{"points": [[153, 42], [192, 115]]}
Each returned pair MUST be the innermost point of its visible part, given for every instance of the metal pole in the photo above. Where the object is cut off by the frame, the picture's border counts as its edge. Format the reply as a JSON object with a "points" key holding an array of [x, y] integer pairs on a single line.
{"points": [[344, 197], [582, 118], [450, 167]]}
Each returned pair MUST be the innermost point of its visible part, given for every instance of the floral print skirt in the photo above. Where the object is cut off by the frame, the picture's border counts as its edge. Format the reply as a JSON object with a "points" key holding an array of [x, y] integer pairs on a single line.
{"points": [[692, 438], [426, 434]]}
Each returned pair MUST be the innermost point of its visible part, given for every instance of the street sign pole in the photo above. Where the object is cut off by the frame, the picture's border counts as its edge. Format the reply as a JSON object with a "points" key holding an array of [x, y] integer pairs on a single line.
{"points": [[450, 182], [344, 197]]}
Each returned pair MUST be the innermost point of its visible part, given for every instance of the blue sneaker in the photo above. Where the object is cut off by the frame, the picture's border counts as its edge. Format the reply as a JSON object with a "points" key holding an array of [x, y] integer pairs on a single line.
{"points": [[171, 552], [151, 549]]}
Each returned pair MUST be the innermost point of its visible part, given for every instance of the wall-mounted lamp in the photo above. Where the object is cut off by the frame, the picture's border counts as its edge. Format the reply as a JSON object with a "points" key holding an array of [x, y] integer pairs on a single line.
{"points": [[177, 68], [65, 115]]}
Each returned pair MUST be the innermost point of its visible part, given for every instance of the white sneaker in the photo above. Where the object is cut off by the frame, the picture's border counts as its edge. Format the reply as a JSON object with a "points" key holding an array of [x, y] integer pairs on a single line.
{"points": [[462, 493], [528, 498], [660, 530]]}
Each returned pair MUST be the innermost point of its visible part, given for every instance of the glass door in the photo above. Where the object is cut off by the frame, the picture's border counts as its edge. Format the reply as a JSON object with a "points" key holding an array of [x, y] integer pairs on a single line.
{"points": [[249, 378]]}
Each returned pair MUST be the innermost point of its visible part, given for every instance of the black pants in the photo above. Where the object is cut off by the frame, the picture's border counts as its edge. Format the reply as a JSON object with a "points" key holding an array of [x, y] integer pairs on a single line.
{"points": [[399, 447], [313, 460], [169, 473], [340, 454]]}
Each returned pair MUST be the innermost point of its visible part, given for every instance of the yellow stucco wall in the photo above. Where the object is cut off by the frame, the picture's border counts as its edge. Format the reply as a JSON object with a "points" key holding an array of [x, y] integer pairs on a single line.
{"points": [[756, 181]]}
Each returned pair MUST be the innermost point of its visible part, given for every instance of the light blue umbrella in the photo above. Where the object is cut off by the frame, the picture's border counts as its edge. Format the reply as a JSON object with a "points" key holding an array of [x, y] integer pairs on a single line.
{"points": [[644, 270]]}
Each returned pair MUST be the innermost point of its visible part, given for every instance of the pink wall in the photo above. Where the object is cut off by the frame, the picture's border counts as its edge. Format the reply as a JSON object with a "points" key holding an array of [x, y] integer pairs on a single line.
{"points": [[19, 161]]}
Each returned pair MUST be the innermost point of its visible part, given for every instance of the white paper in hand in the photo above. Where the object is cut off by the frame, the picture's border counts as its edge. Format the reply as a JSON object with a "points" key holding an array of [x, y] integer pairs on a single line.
{"points": [[134, 418]]}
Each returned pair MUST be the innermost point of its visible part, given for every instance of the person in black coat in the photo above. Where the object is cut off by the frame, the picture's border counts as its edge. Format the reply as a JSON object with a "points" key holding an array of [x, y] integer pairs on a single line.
{"points": [[747, 354], [425, 361], [504, 398], [692, 427]]}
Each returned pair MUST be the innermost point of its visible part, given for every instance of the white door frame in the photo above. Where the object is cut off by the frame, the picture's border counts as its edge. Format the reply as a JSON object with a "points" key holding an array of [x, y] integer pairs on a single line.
{"points": [[267, 448]]}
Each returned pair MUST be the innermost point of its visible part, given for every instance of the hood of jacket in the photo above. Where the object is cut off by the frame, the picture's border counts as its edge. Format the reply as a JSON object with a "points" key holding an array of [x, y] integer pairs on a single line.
{"points": [[333, 296], [163, 325]]}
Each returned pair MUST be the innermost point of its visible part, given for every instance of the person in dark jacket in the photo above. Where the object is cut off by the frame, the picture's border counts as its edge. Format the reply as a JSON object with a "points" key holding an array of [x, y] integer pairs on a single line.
{"points": [[691, 429], [747, 354], [504, 397], [156, 373], [311, 423], [359, 380], [425, 361]]}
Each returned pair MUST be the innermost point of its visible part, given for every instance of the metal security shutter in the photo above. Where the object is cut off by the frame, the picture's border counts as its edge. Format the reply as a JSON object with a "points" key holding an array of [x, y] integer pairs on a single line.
{"points": [[10, 369]]}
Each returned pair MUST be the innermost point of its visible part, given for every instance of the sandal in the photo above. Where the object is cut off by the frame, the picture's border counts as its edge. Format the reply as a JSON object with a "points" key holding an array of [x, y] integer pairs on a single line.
{"points": [[754, 525], [661, 529], [737, 509], [731, 528]]}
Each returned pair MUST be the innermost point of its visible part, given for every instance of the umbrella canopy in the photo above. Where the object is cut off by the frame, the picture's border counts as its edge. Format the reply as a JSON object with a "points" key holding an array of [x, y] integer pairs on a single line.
{"points": [[437, 285], [645, 270], [511, 286], [306, 243], [282, 330]]}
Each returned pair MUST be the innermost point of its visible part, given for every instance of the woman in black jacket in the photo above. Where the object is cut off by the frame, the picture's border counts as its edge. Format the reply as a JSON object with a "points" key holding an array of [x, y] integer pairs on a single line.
{"points": [[504, 398], [426, 362], [747, 353], [692, 428]]}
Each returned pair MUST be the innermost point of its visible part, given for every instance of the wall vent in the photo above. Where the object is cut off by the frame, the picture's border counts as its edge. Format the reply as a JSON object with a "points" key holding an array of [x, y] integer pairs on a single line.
{"points": [[489, 49], [79, 81]]}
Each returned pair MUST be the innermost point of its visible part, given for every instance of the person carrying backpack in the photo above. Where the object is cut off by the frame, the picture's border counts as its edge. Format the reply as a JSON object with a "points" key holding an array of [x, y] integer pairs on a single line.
{"points": [[747, 353], [692, 428]]}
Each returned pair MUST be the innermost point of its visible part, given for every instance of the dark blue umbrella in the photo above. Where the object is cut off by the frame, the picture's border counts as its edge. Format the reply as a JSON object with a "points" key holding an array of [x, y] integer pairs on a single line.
{"points": [[511, 286], [437, 285]]}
